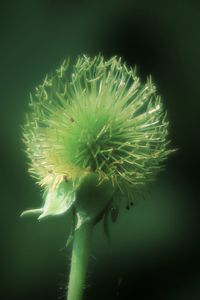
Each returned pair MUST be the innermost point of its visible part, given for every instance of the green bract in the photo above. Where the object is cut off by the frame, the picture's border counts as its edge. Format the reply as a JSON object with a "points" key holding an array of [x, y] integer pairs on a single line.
{"points": [[100, 120]]}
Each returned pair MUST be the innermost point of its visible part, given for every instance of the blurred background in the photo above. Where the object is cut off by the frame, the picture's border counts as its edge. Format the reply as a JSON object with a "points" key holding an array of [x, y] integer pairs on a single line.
{"points": [[155, 246]]}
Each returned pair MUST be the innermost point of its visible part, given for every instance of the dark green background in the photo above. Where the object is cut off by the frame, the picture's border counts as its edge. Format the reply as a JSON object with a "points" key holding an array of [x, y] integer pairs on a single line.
{"points": [[155, 246]]}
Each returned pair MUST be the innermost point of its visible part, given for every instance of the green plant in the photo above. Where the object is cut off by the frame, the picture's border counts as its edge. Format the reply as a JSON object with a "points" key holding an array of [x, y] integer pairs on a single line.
{"points": [[93, 136]]}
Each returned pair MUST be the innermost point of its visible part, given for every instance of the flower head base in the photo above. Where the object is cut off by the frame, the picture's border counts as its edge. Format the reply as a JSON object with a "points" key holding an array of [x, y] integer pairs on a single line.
{"points": [[97, 120]]}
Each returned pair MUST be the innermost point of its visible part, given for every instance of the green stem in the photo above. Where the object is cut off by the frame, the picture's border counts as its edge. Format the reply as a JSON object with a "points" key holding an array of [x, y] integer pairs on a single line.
{"points": [[79, 261]]}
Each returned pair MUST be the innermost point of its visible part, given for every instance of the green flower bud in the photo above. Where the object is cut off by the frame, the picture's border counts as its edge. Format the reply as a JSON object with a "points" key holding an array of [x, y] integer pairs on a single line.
{"points": [[96, 127]]}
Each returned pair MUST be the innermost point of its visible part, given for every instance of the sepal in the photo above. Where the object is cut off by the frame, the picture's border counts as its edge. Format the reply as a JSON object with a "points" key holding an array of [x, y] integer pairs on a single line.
{"points": [[57, 201]]}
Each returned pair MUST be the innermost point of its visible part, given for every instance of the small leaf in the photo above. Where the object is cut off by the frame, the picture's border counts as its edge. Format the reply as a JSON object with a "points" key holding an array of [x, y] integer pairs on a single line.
{"points": [[58, 201], [31, 212]]}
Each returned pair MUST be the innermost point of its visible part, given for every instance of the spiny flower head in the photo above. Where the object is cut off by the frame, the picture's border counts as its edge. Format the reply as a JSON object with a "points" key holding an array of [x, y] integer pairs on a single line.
{"points": [[98, 119]]}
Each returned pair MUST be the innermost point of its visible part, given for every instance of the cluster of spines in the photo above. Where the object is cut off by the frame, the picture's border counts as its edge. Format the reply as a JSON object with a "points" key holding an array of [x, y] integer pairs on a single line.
{"points": [[126, 146]]}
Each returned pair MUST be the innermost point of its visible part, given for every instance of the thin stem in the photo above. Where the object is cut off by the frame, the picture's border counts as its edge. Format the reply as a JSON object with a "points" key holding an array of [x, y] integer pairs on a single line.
{"points": [[79, 261]]}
